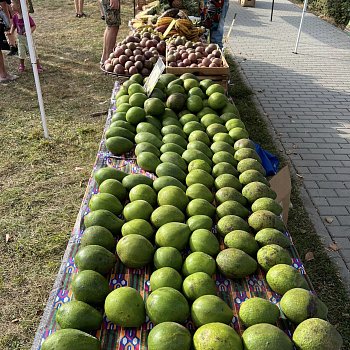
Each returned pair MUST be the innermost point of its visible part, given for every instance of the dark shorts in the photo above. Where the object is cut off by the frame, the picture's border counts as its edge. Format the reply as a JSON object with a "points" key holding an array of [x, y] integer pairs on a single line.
{"points": [[112, 16]]}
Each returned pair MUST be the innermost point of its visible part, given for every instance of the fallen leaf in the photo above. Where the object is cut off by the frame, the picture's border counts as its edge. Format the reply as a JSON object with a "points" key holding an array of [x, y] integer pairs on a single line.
{"points": [[334, 247], [328, 219], [301, 176], [7, 238], [16, 320], [98, 114], [309, 256], [77, 168]]}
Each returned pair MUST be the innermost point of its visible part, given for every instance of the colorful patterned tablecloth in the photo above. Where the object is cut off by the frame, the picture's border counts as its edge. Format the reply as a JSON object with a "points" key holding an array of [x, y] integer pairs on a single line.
{"points": [[233, 292]]}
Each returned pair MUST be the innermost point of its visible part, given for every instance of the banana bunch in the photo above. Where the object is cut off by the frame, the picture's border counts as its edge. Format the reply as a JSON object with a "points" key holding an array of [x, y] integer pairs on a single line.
{"points": [[164, 21], [186, 28], [196, 32], [143, 27]]}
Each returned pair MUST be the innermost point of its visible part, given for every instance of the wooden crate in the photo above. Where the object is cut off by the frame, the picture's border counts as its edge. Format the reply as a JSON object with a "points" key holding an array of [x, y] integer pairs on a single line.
{"points": [[223, 80], [225, 70], [219, 74], [247, 3]]}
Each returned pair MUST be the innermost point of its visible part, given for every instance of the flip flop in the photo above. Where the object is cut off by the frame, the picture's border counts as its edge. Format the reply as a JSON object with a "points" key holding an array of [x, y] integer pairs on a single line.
{"points": [[9, 77]]}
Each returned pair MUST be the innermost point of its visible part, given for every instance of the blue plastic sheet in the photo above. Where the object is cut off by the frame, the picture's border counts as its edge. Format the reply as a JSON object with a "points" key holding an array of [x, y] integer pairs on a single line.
{"points": [[269, 161]]}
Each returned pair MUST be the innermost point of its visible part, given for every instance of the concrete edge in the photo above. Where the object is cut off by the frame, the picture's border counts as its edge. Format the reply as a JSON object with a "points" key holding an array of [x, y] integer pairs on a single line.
{"points": [[320, 228]]}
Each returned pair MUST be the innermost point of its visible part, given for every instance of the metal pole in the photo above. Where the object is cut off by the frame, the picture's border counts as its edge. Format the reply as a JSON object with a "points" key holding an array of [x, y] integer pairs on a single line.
{"points": [[33, 60], [301, 24], [273, 5], [134, 8], [231, 26]]}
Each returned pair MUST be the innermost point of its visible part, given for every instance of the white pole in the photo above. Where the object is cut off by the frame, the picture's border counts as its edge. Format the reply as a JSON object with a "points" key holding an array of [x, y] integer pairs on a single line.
{"points": [[227, 37], [33, 58], [301, 24], [231, 26]]}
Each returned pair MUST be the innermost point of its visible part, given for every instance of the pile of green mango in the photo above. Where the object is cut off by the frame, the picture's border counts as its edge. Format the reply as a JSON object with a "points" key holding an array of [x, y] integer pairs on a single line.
{"points": [[191, 137]]}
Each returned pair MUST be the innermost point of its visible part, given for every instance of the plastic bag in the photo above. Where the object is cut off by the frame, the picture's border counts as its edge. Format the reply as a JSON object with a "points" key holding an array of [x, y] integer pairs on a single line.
{"points": [[269, 161]]}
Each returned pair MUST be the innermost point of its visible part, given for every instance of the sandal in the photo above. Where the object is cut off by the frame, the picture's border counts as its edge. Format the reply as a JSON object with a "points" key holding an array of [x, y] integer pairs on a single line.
{"points": [[83, 15], [8, 78], [103, 18]]}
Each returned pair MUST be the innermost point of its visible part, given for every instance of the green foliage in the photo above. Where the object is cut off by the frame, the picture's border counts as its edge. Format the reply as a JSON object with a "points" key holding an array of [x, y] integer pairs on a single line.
{"points": [[339, 10]]}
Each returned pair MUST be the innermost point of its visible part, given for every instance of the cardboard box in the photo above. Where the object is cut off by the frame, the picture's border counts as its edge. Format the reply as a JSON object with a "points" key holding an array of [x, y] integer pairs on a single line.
{"points": [[247, 3], [281, 184]]}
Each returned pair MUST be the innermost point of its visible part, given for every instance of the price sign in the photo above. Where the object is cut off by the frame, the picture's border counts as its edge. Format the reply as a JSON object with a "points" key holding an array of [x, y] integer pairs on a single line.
{"points": [[154, 76]]}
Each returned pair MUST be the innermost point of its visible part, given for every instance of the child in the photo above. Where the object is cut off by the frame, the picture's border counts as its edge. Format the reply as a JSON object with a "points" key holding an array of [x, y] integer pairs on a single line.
{"points": [[18, 25]]}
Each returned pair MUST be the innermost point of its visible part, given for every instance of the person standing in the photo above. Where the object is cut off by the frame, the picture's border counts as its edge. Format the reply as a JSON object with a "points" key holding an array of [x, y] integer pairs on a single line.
{"points": [[79, 4], [111, 10], [217, 33], [18, 25], [5, 5], [4, 75], [4, 26], [213, 17]]}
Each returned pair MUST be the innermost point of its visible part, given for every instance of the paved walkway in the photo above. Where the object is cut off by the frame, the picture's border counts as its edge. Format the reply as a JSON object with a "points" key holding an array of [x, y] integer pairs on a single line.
{"points": [[307, 99]]}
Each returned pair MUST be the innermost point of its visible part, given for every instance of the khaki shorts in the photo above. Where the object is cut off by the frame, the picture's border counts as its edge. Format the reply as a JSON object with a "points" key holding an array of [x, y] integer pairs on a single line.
{"points": [[112, 16], [22, 46]]}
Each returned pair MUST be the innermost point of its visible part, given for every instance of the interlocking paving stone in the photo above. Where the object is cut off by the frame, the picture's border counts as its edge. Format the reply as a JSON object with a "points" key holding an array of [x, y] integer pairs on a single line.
{"points": [[307, 99]]}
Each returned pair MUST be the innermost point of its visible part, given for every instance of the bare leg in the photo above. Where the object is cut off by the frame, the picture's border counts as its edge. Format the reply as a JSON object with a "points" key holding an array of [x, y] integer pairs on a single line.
{"points": [[101, 8], [3, 73], [76, 4], [81, 5], [110, 38]]}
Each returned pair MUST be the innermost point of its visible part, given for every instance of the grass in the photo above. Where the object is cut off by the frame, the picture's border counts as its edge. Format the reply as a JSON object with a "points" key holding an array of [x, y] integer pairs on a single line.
{"points": [[321, 270], [43, 181], [319, 13]]}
